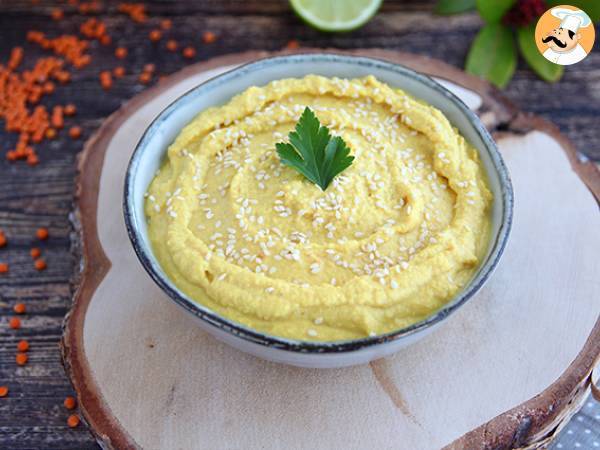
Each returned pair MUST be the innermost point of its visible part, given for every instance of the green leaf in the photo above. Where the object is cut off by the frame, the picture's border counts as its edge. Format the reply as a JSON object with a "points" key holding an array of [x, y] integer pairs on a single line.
{"points": [[591, 7], [492, 11], [448, 7], [540, 65], [493, 55], [313, 152]]}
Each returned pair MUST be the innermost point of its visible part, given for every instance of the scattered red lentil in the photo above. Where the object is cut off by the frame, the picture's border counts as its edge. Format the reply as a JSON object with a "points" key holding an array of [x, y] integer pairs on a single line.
{"points": [[57, 120], [3, 267], [23, 346], [150, 68], [119, 71], [32, 159], [50, 133], [83, 61], [90, 7], [20, 90], [136, 11], [209, 37], [292, 44], [84, 8], [42, 233], [21, 359], [121, 52], [14, 323], [19, 308], [16, 57], [70, 109], [155, 35], [62, 76], [145, 77], [106, 80], [57, 14], [75, 132], [35, 252], [2, 239], [172, 45], [166, 24], [3, 391], [106, 40], [93, 29], [39, 264], [69, 46], [70, 403], [73, 420], [48, 87], [189, 52]]}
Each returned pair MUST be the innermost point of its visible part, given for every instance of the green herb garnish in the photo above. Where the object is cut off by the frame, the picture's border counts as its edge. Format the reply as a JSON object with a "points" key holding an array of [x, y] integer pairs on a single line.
{"points": [[313, 152]]}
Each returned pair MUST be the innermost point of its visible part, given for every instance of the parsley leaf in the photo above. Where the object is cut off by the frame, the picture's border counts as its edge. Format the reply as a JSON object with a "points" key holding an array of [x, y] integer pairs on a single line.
{"points": [[313, 152]]}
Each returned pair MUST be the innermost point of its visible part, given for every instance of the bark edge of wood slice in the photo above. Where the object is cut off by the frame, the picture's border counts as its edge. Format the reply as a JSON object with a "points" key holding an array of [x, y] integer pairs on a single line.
{"points": [[531, 424]]}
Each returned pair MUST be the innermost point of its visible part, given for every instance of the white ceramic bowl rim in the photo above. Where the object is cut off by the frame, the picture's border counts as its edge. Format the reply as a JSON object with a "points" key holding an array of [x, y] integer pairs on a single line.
{"points": [[150, 264]]}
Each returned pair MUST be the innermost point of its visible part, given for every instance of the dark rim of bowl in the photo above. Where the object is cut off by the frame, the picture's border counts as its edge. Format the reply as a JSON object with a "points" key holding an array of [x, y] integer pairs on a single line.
{"points": [[280, 343]]}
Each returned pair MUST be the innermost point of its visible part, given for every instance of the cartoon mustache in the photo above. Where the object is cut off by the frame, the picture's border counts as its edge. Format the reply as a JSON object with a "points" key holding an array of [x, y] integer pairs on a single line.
{"points": [[556, 41]]}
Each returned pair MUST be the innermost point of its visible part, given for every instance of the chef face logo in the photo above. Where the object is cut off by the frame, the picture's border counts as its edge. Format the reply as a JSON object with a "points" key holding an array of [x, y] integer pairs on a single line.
{"points": [[564, 35], [561, 40]]}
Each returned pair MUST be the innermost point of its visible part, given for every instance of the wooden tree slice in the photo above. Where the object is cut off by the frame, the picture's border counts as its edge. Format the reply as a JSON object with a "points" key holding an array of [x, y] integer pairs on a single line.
{"points": [[506, 371]]}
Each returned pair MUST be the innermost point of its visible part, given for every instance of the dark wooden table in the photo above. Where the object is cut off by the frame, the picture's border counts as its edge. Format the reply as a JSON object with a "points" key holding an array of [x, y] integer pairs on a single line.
{"points": [[32, 415]]}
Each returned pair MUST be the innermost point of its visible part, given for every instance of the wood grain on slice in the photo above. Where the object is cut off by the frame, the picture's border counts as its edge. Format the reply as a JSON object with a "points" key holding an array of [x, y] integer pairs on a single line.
{"points": [[151, 380]]}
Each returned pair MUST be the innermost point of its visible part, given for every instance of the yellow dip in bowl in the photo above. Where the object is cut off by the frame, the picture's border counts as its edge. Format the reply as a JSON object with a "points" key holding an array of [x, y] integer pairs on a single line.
{"points": [[390, 241]]}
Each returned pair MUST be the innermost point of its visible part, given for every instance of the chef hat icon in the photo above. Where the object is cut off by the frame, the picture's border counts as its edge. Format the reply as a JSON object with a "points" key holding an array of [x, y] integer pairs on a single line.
{"points": [[571, 20]]}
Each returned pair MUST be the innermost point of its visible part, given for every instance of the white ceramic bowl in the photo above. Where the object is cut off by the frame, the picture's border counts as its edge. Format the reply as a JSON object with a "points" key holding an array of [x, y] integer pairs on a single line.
{"points": [[160, 134]]}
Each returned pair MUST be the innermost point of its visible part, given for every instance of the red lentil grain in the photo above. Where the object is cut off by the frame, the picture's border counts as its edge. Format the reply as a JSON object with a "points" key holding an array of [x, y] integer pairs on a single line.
{"points": [[155, 35], [23, 346], [70, 403], [39, 264], [21, 359], [292, 44], [42, 233], [73, 421], [75, 132], [119, 72], [14, 323], [145, 77], [57, 14], [121, 52], [70, 109], [172, 45], [189, 52], [209, 37]]}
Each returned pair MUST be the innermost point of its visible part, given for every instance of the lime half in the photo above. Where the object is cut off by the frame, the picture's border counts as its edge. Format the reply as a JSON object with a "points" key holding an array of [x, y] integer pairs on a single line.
{"points": [[336, 15]]}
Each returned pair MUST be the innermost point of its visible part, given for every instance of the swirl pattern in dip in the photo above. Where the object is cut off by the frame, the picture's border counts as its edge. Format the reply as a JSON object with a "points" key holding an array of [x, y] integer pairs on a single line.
{"points": [[392, 239]]}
